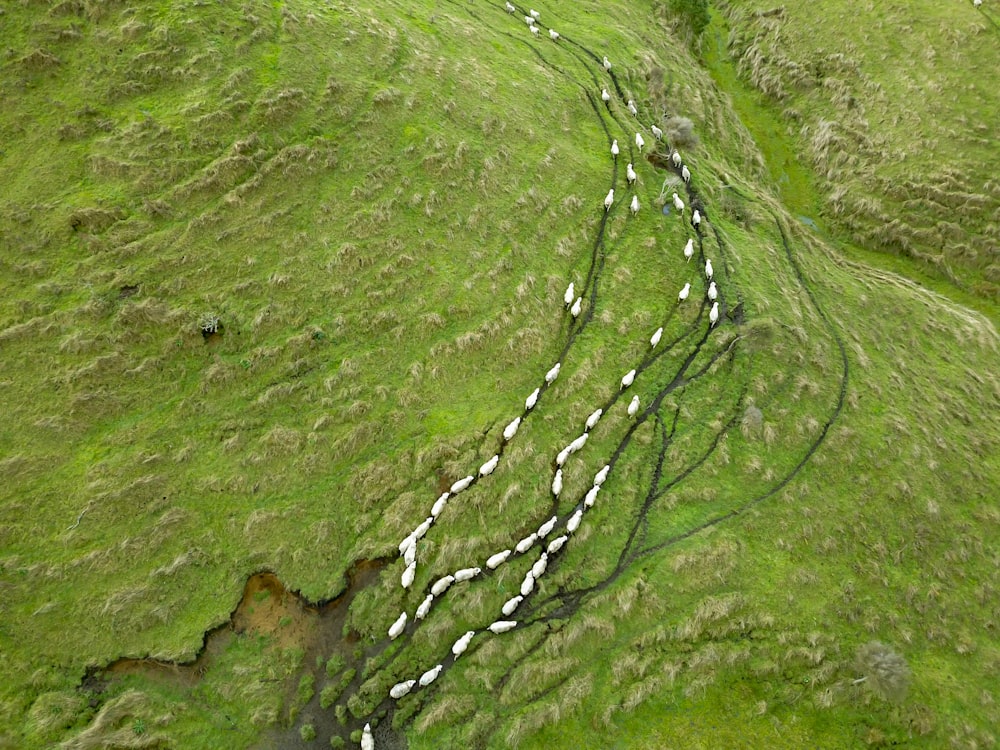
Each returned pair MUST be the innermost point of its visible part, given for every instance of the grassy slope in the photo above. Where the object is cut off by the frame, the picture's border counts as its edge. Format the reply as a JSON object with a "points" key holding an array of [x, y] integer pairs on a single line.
{"points": [[884, 105], [386, 247]]}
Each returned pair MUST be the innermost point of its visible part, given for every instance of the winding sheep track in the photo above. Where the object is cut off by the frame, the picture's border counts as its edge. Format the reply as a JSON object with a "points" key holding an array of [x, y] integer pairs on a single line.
{"points": [[564, 603]]}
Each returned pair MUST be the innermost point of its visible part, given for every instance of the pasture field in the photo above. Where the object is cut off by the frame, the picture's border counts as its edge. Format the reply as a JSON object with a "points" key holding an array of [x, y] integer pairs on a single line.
{"points": [[276, 275]]}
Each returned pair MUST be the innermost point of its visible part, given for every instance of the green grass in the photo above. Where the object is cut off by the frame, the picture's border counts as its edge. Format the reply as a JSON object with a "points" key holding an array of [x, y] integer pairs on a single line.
{"points": [[383, 204]]}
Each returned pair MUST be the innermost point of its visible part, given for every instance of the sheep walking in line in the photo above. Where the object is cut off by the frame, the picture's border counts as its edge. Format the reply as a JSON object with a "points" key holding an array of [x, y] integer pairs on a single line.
{"points": [[556, 544], [607, 64], [685, 173], [713, 292], [591, 497], [601, 476], [425, 607], [535, 14], [467, 574], [439, 505], [631, 108], [408, 575], [495, 561], [546, 528], [538, 569], [552, 374], [609, 199], [511, 430], [528, 584], [634, 205], [410, 555], [630, 175], [639, 141], [533, 30], [367, 741], [657, 133], [678, 204], [713, 314], [502, 626], [574, 521], [614, 149], [400, 689], [633, 407], [593, 419], [570, 294], [655, 338], [489, 467], [529, 20], [689, 249], [511, 8], [561, 458], [627, 379], [675, 157], [525, 544], [709, 271], [577, 307], [511, 605], [684, 292], [553, 35], [530, 401], [605, 97], [459, 647], [557, 483], [397, 627], [461, 484], [696, 219], [441, 585], [430, 675]]}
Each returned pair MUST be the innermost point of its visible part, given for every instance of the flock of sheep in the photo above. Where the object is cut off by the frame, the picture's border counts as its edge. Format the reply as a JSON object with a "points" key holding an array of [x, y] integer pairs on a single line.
{"points": [[546, 538]]}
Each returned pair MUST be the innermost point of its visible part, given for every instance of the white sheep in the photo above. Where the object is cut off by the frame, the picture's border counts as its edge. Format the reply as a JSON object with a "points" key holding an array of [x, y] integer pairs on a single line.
{"points": [[655, 338], [574, 521], [458, 648], [556, 544], [614, 148], [713, 292], [605, 96], [403, 545], [676, 158], [441, 585], [685, 173], [557, 483], [632, 109], [511, 430], [538, 569], [430, 675], [510, 8], [467, 574], [633, 407], [525, 544], [528, 584], [689, 248], [461, 484], [639, 142], [607, 63], [511, 605], [530, 401], [577, 307], [713, 314], [609, 199], [439, 504], [425, 607], [367, 741], [406, 580], [533, 30], [602, 475], [627, 379], [552, 374], [502, 626], [709, 271], [410, 555], [684, 292], [634, 205], [535, 14], [657, 133], [397, 627], [696, 218], [546, 528], [578, 443], [593, 419], [495, 561], [553, 35], [489, 467], [977, 3], [569, 294], [591, 496], [418, 533], [630, 175], [678, 203], [561, 458], [400, 689], [529, 20]]}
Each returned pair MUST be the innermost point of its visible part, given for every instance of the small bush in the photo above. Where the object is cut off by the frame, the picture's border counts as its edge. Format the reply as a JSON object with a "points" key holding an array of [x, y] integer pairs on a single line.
{"points": [[307, 732], [692, 13], [884, 672], [679, 132]]}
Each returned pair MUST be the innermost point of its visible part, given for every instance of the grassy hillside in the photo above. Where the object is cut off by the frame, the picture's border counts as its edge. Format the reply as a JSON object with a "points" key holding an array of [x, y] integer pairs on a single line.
{"points": [[887, 106], [276, 276]]}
